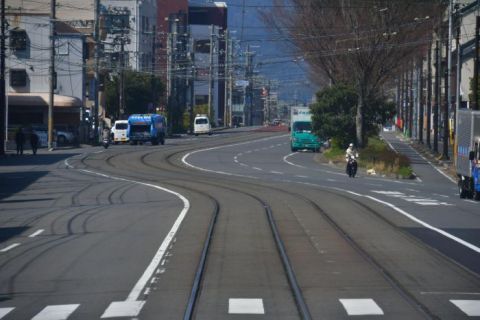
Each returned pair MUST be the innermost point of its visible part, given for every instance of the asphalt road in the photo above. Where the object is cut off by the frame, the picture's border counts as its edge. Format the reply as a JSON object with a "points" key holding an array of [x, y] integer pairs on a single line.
{"points": [[118, 233]]}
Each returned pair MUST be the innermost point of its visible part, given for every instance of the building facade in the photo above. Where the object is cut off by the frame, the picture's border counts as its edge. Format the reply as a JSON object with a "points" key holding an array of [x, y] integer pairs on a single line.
{"points": [[27, 79]]}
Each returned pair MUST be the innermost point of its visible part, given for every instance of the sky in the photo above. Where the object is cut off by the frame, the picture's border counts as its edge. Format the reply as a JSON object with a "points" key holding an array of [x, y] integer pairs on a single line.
{"points": [[271, 53], [273, 56]]}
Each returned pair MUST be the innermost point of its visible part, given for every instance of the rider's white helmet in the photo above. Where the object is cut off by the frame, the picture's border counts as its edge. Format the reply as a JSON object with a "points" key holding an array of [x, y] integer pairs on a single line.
{"points": [[350, 145]]}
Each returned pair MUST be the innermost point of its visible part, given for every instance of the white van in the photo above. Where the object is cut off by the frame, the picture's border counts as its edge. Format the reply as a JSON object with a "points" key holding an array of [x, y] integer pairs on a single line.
{"points": [[119, 131], [201, 125]]}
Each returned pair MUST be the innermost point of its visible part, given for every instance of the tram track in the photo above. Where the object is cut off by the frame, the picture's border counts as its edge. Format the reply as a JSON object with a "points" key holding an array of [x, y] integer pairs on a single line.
{"points": [[172, 166]]}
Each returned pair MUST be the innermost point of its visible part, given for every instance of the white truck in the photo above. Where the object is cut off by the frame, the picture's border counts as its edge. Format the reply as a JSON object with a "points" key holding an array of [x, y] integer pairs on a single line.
{"points": [[468, 153]]}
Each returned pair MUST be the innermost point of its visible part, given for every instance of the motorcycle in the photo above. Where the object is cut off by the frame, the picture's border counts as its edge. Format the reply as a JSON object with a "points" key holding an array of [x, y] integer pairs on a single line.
{"points": [[106, 143], [352, 166]]}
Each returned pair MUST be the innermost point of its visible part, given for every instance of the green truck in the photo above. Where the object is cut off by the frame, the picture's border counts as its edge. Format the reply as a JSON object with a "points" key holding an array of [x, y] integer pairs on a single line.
{"points": [[301, 136]]}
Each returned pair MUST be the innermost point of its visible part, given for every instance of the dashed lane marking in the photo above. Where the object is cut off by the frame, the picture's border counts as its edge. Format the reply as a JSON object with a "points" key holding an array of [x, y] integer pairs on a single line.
{"points": [[59, 312], [36, 233], [470, 307], [258, 169], [300, 176], [10, 247], [245, 306], [276, 172], [361, 307], [5, 311]]}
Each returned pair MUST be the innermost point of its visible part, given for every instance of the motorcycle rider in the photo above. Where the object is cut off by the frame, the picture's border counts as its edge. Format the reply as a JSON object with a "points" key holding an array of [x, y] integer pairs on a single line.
{"points": [[350, 153]]}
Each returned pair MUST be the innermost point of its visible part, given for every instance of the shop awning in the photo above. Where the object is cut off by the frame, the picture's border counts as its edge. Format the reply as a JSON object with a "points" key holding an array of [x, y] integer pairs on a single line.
{"points": [[41, 100]]}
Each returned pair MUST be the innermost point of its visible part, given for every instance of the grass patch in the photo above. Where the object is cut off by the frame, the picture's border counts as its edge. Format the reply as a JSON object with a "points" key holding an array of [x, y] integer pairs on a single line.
{"points": [[378, 156]]}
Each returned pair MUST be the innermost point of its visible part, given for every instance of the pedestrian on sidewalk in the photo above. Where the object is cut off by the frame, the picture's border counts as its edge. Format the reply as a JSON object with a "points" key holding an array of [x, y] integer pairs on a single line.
{"points": [[34, 142], [20, 140]]}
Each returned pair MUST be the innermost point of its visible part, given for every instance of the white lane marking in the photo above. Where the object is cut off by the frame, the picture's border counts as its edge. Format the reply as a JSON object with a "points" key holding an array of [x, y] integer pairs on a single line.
{"points": [[406, 214], [131, 307], [10, 247], [276, 172], [235, 160], [361, 307], [470, 307], [36, 233], [186, 156], [426, 225], [433, 166], [418, 179], [99, 151], [441, 195], [245, 306], [123, 309], [331, 180], [258, 169], [449, 293], [414, 199], [59, 312], [291, 163], [300, 176], [5, 311]]}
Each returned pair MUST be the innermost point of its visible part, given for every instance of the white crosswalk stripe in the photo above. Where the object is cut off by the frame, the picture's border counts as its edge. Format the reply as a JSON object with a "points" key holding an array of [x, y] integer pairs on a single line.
{"points": [[361, 307], [470, 307], [58, 312], [5, 311], [423, 201]]}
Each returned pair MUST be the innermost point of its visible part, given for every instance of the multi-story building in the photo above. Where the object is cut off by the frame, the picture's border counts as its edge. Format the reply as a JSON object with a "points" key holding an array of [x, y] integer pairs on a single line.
{"points": [[130, 28], [28, 58], [208, 25]]}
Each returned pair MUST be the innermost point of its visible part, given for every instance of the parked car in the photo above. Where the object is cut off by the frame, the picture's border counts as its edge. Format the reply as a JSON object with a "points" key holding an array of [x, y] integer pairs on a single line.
{"points": [[64, 135]]}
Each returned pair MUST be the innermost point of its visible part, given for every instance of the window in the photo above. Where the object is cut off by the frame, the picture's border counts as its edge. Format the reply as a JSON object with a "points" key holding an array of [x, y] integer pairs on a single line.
{"points": [[18, 39], [62, 48], [18, 77], [202, 46]]}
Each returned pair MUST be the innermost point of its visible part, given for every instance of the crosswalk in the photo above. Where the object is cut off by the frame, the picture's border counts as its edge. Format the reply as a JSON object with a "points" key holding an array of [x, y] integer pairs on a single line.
{"points": [[422, 201], [352, 307]]}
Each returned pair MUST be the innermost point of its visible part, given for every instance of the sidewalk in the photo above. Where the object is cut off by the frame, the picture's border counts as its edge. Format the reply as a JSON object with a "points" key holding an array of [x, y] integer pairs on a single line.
{"points": [[446, 166]]}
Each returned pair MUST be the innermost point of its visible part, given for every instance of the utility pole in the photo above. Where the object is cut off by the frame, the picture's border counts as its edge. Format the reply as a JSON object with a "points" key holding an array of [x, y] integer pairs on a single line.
{"points": [[53, 81], [97, 75], [3, 98], [402, 100], [457, 93], [475, 105], [154, 96], [429, 95], [411, 103], [211, 111], [420, 101], [448, 84], [446, 120], [437, 96], [192, 83], [230, 111], [121, 93], [226, 78]]}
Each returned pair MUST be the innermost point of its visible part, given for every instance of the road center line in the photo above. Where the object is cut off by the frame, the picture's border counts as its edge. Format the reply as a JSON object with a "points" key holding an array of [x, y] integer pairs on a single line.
{"points": [[36, 233], [10, 247]]}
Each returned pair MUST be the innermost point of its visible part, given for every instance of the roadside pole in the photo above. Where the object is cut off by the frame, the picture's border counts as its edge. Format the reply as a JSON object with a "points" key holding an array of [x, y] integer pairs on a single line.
{"points": [[475, 65], [51, 99], [437, 96], [457, 94], [446, 120], [210, 79], [3, 98], [96, 71], [429, 95], [420, 100]]}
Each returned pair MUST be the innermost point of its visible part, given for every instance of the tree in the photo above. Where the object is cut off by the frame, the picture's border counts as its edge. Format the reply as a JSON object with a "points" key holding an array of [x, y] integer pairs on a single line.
{"points": [[140, 91], [335, 110], [362, 43]]}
